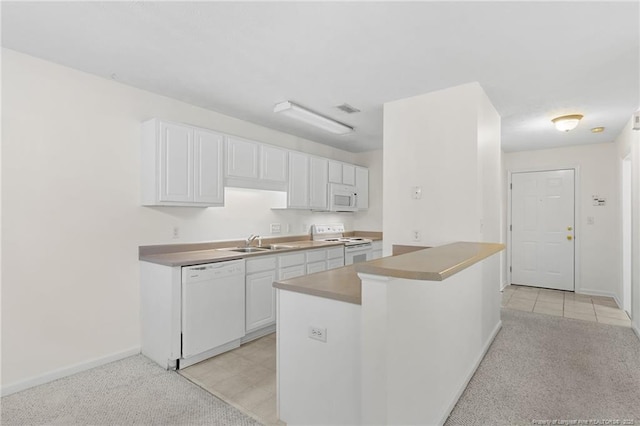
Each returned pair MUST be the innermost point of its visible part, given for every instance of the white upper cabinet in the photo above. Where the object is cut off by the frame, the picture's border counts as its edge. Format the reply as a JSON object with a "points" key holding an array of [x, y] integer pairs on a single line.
{"points": [[273, 163], [342, 173], [362, 187], [181, 165], [176, 163], [298, 190], [208, 157], [255, 165], [242, 158], [348, 174], [318, 180], [335, 172]]}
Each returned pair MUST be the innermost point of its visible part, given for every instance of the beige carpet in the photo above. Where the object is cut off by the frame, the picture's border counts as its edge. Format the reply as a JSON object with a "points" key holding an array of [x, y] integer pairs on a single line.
{"points": [[134, 391], [544, 368]]}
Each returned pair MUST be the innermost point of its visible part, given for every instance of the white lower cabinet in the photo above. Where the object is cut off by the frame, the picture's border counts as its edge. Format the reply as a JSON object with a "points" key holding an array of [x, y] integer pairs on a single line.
{"points": [[291, 265], [335, 257], [314, 267], [292, 272], [316, 261], [260, 303], [376, 250]]}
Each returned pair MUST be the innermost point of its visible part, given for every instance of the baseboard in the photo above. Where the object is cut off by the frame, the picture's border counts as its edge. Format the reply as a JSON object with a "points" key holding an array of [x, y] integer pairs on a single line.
{"points": [[67, 371], [503, 285], [600, 293], [253, 335], [471, 372]]}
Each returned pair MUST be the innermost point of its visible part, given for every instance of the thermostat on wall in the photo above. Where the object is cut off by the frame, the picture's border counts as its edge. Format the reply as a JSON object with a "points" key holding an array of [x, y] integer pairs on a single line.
{"points": [[599, 201]]}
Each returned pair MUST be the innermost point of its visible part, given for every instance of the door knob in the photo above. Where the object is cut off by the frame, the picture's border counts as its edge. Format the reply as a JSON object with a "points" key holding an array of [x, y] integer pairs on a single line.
{"points": [[569, 228], [569, 237]]}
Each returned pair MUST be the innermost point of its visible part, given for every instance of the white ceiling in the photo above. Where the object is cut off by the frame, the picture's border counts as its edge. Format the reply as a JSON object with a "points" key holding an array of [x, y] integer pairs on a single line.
{"points": [[535, 60]]}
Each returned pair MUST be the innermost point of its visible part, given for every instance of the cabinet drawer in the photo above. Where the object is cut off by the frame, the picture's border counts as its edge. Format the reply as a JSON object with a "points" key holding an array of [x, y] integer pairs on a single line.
{"points": [[335, 263], [261, 264], [336, 252], [292, 272], [316, 255], [312, 268], [292, 259]]}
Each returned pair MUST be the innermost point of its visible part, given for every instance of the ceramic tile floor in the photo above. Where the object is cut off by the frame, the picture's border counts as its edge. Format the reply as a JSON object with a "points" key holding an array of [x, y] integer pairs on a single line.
{"points": [[564, 304], [244, 378]]}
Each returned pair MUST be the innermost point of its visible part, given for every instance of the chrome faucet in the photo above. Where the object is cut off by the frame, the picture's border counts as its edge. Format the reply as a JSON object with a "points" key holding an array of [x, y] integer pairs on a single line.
{"points": [[252, 237]]}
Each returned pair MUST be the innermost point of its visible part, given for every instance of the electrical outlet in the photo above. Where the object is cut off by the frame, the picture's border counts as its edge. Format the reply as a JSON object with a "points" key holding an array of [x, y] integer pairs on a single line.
{"points": [[176, 232], [305, 228], [590, 220], [318, 333], [416, 235], [276, 228]]}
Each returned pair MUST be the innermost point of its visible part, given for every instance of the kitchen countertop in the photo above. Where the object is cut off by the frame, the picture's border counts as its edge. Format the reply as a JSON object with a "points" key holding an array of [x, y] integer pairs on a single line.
{"points": [[222, 254], [218, 251], [433, 264]]}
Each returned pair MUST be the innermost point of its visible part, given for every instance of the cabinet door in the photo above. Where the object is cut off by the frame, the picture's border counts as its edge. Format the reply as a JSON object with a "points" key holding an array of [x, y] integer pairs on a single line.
{"points": [[362, 188], [273, 163], [319, 178], [176, 163], [348, 174], [260, 300], [335, 172], [298, 194], [242, 158], [208, 185]]}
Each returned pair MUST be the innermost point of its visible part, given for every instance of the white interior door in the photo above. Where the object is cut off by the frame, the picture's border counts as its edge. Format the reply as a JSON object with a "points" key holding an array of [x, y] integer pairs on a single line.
{"points": [[542, 229]]}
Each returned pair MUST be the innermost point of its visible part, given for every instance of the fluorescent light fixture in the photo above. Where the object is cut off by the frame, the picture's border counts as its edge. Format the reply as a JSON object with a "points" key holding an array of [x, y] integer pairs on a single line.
{"points": [[567, 122], [292, 110]]}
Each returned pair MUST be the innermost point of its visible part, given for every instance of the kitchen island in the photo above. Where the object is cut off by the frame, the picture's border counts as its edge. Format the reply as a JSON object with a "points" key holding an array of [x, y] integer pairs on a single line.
{"points": [[390, 341]]}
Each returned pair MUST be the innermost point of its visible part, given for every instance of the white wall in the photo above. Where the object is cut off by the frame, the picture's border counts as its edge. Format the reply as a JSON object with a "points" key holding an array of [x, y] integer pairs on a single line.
{"points": [[598, 245], [72, 220], [371, 220], [628, 142], [447, 142]]}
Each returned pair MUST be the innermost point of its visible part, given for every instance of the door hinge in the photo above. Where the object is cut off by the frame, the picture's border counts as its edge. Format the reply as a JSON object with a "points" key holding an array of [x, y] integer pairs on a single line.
{"points": [[510, 227], [510, 269], [510, 186]]}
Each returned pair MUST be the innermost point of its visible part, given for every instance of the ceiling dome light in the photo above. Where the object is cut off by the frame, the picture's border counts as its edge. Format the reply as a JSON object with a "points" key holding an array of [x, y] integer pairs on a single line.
{"points": [[567, 122], [597, 130]]}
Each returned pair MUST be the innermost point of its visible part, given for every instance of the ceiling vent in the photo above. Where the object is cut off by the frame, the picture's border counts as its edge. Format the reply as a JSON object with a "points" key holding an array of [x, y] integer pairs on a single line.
{"points": [[348, 108]]}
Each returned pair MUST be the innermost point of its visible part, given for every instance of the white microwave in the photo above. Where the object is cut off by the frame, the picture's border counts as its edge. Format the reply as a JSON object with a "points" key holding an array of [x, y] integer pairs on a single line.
{"points": [[342, 198]]}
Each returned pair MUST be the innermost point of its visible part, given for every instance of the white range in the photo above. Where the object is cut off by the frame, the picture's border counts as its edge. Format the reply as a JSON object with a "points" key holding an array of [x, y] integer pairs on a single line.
{"points": [[356, 249]]}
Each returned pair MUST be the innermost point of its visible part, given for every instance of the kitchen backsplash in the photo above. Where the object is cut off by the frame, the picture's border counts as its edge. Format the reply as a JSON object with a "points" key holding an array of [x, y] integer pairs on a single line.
{"points": [[246, 211]]}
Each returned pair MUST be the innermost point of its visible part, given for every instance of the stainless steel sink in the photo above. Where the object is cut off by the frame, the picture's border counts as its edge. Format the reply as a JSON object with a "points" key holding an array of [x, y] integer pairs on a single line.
{"points": [[248, 249], [279, 247]]}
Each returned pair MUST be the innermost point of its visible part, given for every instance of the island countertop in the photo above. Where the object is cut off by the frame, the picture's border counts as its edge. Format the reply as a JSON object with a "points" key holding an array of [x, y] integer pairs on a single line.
{"points": [[433, 264]]}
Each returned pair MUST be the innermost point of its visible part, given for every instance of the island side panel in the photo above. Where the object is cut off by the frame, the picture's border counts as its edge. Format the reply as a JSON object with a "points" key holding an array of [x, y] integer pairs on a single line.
{"points": [[430, 338], [318, 382]]}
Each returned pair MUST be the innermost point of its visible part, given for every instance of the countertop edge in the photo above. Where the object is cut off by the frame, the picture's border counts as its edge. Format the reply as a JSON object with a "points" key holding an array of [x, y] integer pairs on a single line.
{"points": [[319, 293], [388, 266]]}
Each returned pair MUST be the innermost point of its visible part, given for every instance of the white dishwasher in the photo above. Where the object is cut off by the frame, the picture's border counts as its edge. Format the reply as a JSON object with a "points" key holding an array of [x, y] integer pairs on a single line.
{"points": [[212, 309]]}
